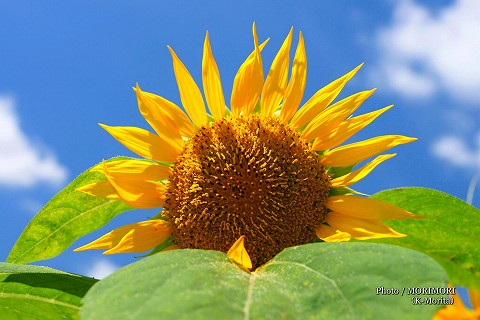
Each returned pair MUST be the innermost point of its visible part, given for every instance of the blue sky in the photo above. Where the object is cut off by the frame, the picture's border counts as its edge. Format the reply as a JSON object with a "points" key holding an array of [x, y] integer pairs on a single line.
{"points": [[66, 67]]}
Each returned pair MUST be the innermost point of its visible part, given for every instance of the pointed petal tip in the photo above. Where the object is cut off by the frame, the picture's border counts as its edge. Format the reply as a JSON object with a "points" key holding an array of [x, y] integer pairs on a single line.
{"points": [[207, 39], [172, 52], [406, 139], [88, 246], [416, 216], [255, 36], [368, 93], [355, 70]]}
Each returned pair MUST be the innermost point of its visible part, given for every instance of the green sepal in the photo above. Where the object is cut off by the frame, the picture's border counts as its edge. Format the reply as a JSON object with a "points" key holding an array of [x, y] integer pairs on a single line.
{"points": [[258, 108], [210, 118], [336, 172], [160, 216], [302, 128], [341, 191], [165, 244], [227, 113]]}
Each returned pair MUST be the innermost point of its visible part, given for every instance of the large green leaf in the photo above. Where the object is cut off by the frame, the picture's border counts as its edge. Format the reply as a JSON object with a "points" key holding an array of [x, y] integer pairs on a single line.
{"points": [[449, 231], [32, 292], [68, 216], [313, 281]]}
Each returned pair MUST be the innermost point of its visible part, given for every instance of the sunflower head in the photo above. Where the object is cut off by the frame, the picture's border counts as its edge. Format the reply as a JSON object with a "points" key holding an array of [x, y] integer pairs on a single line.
{"points": [[257, 177], [247, 176]]}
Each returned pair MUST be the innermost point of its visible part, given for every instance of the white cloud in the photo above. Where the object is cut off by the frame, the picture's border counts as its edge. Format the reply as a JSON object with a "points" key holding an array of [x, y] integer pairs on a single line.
{"points": [[22, 162], [101, 269], [423, 52], [454, 150]]}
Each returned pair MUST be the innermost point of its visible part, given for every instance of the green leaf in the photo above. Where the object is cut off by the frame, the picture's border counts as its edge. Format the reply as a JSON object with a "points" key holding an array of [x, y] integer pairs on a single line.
{"points": [[32, 292], [449, 231], [69, 215], [313, 281]]}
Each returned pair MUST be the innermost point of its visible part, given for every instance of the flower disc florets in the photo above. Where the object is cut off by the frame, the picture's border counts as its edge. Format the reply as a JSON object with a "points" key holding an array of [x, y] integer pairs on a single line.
{"points": [[253, 177]]}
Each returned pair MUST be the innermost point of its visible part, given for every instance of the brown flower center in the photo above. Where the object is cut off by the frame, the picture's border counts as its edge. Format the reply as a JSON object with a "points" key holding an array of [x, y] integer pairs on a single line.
{"points": [[253, 177]]}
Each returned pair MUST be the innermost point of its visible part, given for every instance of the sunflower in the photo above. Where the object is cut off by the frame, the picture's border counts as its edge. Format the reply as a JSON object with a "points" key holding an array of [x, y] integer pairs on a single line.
{"points": [[252, 179], [458, 310]]}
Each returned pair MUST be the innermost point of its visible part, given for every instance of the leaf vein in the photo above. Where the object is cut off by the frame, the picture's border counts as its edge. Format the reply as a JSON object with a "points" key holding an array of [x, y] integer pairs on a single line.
{"points": [[61, 227], [248, 301], [41, 299], [333, 282]]}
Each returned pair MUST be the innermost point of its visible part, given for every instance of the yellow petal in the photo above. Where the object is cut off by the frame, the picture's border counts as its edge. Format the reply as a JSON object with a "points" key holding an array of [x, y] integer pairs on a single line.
{"points": [[143, 236], [143, 143], [454, 312], [114, 237], [108, 240], [239, 254], [329, 119], [102, 189], [178, 117], [136, 169], [457, 311], [359, 174], [190, 95], [260, 47], [248, 82], [367, 208], [159, 119], [329, 234], [321, 99], [345, 130], [296, 85], [354, 153], [212, 86], [135, 192], [276, 82], [361, 229], [474, 298]]}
